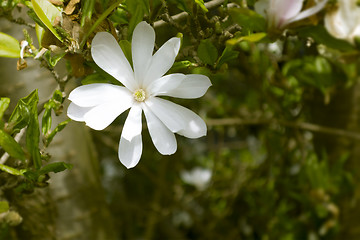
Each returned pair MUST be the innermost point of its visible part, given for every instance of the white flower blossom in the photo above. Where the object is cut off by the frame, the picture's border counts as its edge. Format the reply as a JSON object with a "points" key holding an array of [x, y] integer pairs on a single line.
{"points": [[281, 13], [344, 22], [199, 177], [99, 104]]}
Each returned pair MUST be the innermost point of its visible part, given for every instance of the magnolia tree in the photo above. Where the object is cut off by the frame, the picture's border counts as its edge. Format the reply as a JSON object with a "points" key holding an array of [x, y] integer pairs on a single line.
{"points": [[250, 127]]}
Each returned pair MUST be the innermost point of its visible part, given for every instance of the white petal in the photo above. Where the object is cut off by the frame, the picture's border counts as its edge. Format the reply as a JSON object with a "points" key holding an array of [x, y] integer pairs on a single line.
{"points": [[193, 86], [108, 55], [162, 60], [289, 8], [130, 151], [99, 93], [165, 84], [344, 22], [308, 12], [76, 112], [164, 140], [177, 118], [161, 108], [142, 48], [103, 115], [132, 126]]}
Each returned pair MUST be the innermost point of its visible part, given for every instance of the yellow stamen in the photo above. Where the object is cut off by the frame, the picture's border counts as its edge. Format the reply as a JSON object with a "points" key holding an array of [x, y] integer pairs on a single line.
{"points": [[139, 95]]}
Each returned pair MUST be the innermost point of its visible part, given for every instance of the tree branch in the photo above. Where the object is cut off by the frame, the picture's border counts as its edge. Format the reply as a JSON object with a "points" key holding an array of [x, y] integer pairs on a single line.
{"points": [[301, 125], [178, 17]]}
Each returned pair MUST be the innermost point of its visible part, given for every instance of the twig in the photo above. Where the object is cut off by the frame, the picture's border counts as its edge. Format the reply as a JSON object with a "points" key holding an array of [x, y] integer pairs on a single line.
{"points": [[178, 17], [301, 125], [17, 138]]}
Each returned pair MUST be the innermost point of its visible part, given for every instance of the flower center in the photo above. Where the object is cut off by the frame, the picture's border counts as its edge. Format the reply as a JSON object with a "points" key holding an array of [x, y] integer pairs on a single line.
{"points": [[139, 95]]}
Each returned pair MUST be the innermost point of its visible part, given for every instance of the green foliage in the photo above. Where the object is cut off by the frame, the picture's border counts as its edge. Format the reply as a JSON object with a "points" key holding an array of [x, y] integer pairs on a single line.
{"points": [[137, 9], [33, 131], [87, 10], [320, 35], [315, 71], [126, 47], [248, 19], [207, 52], [11, 170], [282, 166], [4, 104], [53, 59], [54, 104], [9, 46], [201, 4], [47, 13], [11, 146], [21, 115], [4, 206], [227, 55]]}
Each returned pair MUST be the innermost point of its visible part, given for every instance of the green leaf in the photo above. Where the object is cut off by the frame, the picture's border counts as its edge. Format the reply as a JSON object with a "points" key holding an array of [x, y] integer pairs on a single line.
{"points": [[87, 8], [314, 71], [47, 14], [201, 4], [182, 5], [136, 17], [54, 167], [4, 104], [126, 48], [10, 146], [4, 206], [12, 171], [320, 35], [94, 78], [177, 66], [119, 16], [33, 131], [99, 77], [227, 55], [20, 117], [256, 37], [55, 103], [207, 52], [53, 59], [58, 128], [9, 46], [248, 19]]}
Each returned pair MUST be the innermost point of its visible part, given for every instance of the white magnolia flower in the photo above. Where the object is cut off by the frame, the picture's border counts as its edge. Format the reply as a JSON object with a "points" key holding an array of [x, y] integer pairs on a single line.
{"points": [[99, 104], [283, 12], [344, 22], [199, 177]]}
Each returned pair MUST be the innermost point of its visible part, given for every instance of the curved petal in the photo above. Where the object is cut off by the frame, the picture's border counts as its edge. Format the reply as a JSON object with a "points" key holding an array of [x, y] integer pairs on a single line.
{"points": [[142, 47], [289, 8], [164, 140], [76, 112], [132, 126], [162, 60], [103, 115], [108, 55], [193, 86], [177, 118], [336, 25], [307, 13], [98, 93], [165, 84], [344, 22], [130, 151], [170, 117]]}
